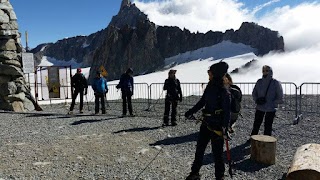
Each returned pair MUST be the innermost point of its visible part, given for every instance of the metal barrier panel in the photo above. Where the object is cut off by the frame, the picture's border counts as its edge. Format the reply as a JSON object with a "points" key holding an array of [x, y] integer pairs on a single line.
{"points": [[309, 98], [290, 98], [154, 95], [191, 92]]}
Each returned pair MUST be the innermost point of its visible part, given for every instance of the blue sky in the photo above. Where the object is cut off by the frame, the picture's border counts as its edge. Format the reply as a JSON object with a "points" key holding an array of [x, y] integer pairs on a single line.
{"points": [[49, 21]]}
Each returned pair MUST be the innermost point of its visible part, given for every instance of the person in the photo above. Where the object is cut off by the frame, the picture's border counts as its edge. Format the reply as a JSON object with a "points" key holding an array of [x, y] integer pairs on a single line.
{"points": [[174, 94], [268, 94], [236, 98], [216, 116], [126, 86], [79, 85], [100, 88]]}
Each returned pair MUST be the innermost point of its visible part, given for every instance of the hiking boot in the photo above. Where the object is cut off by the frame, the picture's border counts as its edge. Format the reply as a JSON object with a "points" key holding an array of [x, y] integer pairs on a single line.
{"points": [[193, 176], [103, 113], [38, 108], [132, 115], [70, 112], [174, 123], [81, 112]]}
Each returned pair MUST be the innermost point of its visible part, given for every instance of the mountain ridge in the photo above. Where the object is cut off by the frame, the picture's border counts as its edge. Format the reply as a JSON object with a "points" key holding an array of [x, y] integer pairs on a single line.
{"points": [[132, 40]]}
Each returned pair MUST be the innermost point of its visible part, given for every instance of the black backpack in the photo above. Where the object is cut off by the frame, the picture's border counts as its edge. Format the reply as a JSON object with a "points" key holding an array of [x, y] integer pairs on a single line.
{"points": [[236, 98]]}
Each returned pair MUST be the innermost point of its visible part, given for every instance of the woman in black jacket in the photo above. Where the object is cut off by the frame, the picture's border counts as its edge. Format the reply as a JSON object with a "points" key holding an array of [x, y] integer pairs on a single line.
{"points": [[174, 94], [216, 101]]}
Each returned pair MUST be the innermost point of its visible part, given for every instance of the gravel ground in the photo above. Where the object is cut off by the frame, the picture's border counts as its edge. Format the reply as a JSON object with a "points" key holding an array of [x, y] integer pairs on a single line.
{"points": [[52, 145]]}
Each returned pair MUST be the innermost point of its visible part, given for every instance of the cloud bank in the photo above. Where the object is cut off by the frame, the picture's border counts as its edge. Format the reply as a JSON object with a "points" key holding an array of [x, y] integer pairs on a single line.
{"points": [[297, 24]]}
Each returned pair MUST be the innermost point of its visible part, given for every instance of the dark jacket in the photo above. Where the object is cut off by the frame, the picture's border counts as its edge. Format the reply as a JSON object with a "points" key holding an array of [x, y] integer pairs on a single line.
{"points": [[100, 85], [173, 88], [79, 82], [126, 83], [274, 95], [215, 97]]}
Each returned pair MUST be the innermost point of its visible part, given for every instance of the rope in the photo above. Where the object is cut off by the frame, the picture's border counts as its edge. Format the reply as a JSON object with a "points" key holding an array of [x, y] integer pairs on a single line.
{"points": [[155, 102], [149, 163]]}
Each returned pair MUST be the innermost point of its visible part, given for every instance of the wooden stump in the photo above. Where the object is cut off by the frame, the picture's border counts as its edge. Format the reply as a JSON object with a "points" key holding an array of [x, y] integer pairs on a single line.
{"points": [[263, 149], [306, 163]]}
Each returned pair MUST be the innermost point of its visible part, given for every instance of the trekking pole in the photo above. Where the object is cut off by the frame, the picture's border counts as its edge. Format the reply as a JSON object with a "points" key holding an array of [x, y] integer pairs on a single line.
{"points": [[87, 102], [149, 108], [229, 157]]}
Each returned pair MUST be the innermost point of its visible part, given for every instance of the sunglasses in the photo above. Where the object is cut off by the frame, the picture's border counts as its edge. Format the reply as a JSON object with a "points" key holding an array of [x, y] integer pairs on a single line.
{"points": [[265, 71]]}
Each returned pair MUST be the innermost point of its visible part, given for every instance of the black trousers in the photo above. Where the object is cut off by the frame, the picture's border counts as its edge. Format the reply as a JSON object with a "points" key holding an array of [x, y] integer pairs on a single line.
{"points": [[268, 121], [100, 97], [167, 105], [74, 97], [205, 136], [126, 98]]}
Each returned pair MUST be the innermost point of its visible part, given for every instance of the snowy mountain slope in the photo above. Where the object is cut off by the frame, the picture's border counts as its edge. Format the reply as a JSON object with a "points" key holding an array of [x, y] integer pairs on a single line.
{"points": [[225, 49]]}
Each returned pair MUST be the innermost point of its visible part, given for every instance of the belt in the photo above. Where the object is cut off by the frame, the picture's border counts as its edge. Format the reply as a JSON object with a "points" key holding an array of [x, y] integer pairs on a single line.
{"points": [[216, 112]]}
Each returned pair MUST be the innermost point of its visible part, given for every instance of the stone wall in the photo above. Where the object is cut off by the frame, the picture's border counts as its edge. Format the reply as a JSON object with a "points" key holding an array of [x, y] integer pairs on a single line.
{"points": [[13, 89]]}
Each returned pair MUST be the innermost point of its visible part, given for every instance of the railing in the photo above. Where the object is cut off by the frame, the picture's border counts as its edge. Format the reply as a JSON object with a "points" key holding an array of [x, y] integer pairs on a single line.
{"points": [[297, 100]]}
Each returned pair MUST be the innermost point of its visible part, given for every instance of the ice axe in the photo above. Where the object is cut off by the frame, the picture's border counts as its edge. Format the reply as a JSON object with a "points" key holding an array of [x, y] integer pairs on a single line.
{"points": [[229, 157]]}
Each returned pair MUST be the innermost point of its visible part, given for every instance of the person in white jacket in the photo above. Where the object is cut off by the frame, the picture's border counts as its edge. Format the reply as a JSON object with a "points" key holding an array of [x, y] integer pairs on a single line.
{"points": [[267, 94]]}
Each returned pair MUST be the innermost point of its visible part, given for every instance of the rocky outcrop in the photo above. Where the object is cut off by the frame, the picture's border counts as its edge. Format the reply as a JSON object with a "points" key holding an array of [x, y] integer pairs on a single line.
{"points": [[173, 40], [128, 47], [13, 88], [79, 48], [131, 40], [259, 37]]}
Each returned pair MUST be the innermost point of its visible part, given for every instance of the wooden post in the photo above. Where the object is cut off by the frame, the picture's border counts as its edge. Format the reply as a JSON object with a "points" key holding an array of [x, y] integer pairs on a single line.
{"points": [[306, 163], [263, 149]]}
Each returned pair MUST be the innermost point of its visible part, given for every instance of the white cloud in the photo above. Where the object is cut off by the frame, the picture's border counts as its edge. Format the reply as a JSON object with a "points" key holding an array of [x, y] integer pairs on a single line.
{"points": [[216, 15], [298, 25], [260, 7]]}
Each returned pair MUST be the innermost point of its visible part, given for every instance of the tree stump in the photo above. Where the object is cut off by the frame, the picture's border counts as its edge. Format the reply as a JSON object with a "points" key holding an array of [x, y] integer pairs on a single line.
{"points": [[263, 149], [306, 163]]}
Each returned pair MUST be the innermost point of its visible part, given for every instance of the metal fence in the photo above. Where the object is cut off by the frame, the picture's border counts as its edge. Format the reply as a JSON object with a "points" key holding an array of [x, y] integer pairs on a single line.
{"points": [[298, 100]]}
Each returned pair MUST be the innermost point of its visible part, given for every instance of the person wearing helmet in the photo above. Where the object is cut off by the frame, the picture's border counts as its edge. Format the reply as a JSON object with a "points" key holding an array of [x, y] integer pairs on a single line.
{"points": [[79, 85]]}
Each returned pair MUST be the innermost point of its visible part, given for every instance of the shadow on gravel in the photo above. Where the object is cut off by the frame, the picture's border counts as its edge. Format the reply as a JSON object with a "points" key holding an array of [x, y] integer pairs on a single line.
{"points": [[241, 160], [137, 129], [31, 114], [177, 140], [90, 121], [239, 156]]}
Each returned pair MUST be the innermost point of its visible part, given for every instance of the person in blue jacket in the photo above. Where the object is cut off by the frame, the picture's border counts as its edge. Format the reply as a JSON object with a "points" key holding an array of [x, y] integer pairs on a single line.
{"points": [[268, 94], [100, 89], [126, 86], [216, 101]]}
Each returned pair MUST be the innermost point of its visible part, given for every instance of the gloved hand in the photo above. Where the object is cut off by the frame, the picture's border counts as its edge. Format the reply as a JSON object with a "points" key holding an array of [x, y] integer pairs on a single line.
{"points": [[188, 115], [118, 86], [107, 90], [85, 91]]}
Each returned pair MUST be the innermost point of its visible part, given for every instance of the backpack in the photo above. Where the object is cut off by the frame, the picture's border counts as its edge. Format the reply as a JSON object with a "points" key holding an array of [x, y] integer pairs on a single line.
{"points": [[236, 98]]}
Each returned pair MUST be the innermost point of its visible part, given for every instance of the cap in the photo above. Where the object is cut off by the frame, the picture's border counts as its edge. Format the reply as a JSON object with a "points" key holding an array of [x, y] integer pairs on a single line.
{"points": [[79, 70]]}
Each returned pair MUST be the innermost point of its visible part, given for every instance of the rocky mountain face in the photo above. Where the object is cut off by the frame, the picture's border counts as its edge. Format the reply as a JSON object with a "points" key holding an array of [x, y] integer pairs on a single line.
{"points": [[131, 40], [14, 92]]}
